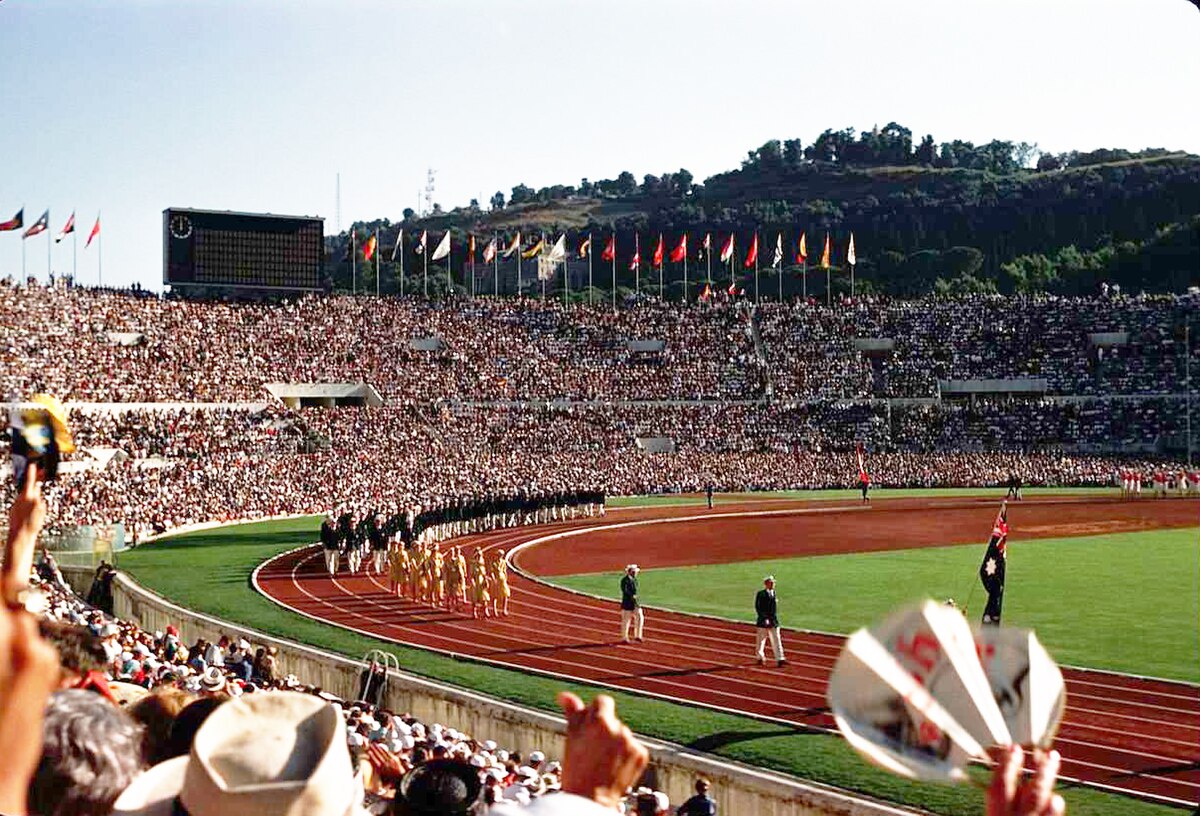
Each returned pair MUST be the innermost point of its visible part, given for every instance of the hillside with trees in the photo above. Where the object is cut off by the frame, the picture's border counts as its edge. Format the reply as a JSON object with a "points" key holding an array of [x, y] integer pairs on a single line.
{"points": [[927, 216]]}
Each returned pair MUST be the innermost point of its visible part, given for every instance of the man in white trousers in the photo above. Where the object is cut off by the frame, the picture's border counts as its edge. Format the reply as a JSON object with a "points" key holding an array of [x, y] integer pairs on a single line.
{"points": [[767, 626], [632, 618]]}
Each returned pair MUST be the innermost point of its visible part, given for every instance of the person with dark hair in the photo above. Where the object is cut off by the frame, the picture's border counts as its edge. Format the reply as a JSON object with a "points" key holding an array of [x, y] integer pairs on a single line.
{"points": [[188, 722], [157, 713], [79, 650], [441, 787], [91, 751]]}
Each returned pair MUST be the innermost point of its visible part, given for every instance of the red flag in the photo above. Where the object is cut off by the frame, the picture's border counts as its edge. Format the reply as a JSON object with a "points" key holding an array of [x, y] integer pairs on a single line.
{"points": [[732, 290], [67, 229], [680, 251], [14, 223], [658, 252], [727, 250], [585, 248], [825, 253], [38, 227], [636, 260], [95, 231], [471, 248], [369, 248], [705, 293], [802, 251], [752, 255], [610, 249]]}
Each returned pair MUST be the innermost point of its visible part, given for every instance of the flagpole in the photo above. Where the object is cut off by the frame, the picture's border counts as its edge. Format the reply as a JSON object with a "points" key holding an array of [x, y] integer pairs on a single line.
{"points": [[779, 266], [614, 270], [49, 244], [708, 259], [804, 277], [377, 253], [24, 275], [662, 291], [685, 254], [425, 267], [353, 265], [756, 249], [520, 255], [591, 289], [495, 265], [401, 262], [74, 253], [637, 267], [100, 256], [471, 250], [566, 277], [542, 243]]}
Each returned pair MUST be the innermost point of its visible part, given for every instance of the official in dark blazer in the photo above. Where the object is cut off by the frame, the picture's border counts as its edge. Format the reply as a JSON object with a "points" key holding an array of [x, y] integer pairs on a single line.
{"points": [[329, 544], [766, 608], [632, 618]]}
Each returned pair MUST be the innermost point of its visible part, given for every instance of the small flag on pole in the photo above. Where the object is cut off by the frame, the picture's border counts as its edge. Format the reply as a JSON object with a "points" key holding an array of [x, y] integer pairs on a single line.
{"points": [[399, 243], [442, 249], [513, 247], [732, 290], [558, 252], [14, 223], [95, 231], [610, 249], [706, 246], [705, 293], [67, 229], [752, 255], [585, 247], [534, 250], [489, 251], [802, 250], [369, 248], [727, 250], [825, 253], [680, 250], [422, 243], [850, 251], [471, 248], [777, 261], [636, 260], [658, 252], [39, 226]]}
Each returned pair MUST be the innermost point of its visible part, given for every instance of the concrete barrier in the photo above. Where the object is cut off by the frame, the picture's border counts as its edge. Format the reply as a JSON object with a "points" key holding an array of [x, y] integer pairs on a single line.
{"points": [[739, 789]]}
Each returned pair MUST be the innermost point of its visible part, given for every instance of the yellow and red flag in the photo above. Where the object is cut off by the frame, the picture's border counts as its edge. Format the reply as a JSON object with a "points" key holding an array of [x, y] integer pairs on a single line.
{"points": [[369, 248], [802, 250], [825, 253]]}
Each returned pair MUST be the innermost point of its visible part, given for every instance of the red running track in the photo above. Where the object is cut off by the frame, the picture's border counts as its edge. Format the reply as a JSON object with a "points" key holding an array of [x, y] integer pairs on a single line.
{"points": [[1127, 734]]}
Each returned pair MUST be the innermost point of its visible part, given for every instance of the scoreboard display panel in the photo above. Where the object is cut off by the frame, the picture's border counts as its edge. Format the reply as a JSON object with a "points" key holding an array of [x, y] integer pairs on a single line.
{"points": [[230, 250]]}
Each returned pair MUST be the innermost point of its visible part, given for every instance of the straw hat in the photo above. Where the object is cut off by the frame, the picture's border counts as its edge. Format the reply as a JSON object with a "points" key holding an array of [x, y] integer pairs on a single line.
{"points": [[266, 754]]}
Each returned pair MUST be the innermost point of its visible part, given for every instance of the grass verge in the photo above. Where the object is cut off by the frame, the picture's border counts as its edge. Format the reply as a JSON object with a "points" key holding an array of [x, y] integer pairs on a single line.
{"points": [[209, 572]]}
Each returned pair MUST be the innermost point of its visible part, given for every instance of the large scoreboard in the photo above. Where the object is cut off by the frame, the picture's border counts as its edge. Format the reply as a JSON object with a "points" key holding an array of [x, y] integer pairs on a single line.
{"points": [[214, 250]]}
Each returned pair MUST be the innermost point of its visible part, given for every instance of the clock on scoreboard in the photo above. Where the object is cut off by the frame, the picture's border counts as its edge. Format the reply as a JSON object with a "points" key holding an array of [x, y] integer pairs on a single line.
{"points": [[232, 251]]}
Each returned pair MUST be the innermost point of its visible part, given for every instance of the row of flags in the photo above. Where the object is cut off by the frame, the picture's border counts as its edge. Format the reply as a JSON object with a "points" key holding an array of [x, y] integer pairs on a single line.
{"points": [[43, 224], [558, 251]]}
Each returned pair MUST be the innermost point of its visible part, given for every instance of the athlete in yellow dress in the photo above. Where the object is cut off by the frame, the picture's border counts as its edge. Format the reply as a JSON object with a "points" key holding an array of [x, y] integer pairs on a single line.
{"points": [[454, 581], [437, 576], [398, 570], [498, 583], [420, 555], [464, 580], [479, 588]]}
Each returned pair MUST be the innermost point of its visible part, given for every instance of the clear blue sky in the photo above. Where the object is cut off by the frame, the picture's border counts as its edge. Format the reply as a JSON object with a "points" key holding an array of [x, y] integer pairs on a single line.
{"points": [[130, 107]]}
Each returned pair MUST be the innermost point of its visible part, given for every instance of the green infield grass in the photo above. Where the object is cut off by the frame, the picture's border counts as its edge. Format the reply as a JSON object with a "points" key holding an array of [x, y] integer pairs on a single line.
{"points": [[1128, 602], [209, 571]]}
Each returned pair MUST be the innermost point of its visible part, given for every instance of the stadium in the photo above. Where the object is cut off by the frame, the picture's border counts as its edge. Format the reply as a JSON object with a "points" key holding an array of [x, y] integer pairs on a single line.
{"points": [[851, 474]]}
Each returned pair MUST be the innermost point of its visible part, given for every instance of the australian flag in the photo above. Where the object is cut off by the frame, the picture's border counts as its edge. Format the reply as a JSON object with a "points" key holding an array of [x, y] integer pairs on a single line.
{"points": [[991, 571]]}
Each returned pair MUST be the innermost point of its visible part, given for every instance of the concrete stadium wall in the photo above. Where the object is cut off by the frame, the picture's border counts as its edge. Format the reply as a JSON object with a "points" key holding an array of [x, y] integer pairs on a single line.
{"points": [[739, 789]]}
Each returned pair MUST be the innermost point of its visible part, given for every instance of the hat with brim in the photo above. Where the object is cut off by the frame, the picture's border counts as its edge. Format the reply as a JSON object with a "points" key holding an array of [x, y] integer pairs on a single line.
{"points": [[633, 568], [266, 754], [212, 679]]}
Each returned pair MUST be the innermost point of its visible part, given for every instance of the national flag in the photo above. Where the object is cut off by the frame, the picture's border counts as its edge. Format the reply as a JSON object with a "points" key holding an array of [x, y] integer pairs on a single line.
{"points": [[727, 250], [610, 249], [95, 231], [489, 251], [705, 293], [349, 246], [534, 250], [679, 253], [706, 245], [991, 571], [399, 244], [802, 250], [850, 251], [39, 226], [513, 247], [732, 290], [636, 260], [422, 243], [14, 223], [825, 253], [658, 252], [558, 252], [777, 261], [471, 248], [67, 229], [586, 247], [369, 248], [443, 247], [752, 255]]}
